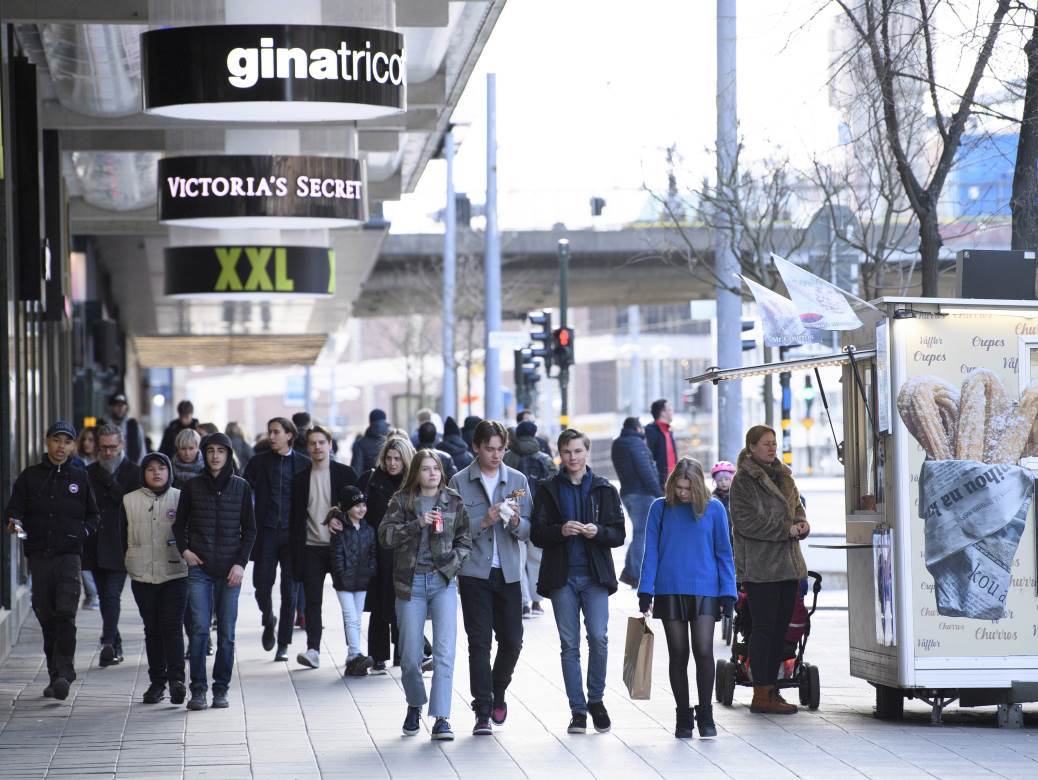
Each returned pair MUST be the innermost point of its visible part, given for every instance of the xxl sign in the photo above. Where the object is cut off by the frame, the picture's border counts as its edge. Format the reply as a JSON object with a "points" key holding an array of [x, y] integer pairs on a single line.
{"points": [[245, 270], [238, 72], [251, 188]]}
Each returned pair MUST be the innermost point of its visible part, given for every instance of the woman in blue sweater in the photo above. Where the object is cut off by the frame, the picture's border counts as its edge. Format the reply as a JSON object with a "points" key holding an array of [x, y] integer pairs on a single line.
{"points": [[687, 580]]}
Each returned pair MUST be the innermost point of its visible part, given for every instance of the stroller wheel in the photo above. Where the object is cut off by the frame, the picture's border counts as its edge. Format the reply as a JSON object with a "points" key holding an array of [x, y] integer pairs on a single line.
{"points": [[725, 682], [810, 690], [719, 679]]}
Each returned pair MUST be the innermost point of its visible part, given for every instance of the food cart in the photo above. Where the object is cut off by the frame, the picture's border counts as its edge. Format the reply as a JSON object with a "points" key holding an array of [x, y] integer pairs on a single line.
{"points": [[943, 593]]}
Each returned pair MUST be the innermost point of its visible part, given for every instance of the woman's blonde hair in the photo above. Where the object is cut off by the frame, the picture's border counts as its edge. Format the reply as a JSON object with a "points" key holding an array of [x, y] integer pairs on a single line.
{"points": [[692, 470], [401, 444], [411, 485]]}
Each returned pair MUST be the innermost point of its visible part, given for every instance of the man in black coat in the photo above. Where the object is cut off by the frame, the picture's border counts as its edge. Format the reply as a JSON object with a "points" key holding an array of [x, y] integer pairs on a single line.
{"points": [[577, 520], [215, 530], [427, 441], [315, 490], [52, 507], [639, 485], [133, 433], [454, 445], [367, 447], [270, 474], [112, 476], [185, 419]]}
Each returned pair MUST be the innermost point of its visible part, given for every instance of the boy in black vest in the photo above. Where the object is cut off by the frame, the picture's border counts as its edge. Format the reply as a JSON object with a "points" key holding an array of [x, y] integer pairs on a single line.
{"points": [[215, 530]]}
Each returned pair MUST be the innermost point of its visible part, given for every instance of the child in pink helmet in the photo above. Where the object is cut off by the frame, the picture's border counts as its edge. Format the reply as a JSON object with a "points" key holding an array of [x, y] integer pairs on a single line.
{"points": [[722, 474]]}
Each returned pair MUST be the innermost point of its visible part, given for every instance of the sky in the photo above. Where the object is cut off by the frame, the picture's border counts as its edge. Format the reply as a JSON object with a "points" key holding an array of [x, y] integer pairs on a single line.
{"points": [[590, 95]]}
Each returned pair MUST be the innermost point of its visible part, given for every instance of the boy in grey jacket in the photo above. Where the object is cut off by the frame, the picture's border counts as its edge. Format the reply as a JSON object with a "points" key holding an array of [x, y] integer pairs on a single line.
{"points": [[498, 504]]}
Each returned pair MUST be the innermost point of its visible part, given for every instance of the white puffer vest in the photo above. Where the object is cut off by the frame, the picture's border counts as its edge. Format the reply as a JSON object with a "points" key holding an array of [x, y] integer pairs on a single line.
{"points": [[151, 553]]}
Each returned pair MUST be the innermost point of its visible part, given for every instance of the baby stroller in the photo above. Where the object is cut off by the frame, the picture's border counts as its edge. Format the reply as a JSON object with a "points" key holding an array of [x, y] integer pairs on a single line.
{"points": [[794, 673]]}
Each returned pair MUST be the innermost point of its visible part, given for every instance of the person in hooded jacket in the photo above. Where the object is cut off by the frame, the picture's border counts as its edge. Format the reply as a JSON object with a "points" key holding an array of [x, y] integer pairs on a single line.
{"points": [[468, 428], [353, 560], [215, 530], [366, 448], [158, 576], [526, 456], [454, 445], [112, 476]]}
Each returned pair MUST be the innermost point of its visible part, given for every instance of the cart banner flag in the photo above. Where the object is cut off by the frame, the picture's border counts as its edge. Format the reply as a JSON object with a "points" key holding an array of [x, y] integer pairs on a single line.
{"points": [[974, 515], [779, 318], [638, 658], [820, 304]]}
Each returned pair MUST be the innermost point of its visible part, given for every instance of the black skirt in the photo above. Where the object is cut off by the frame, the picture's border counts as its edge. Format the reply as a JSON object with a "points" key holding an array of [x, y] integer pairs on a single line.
{"points": [[681, 607]]}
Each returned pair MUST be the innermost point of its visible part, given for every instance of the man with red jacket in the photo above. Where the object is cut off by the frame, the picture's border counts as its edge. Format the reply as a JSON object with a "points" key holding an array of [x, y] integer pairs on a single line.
{"points": [[659, 438]]}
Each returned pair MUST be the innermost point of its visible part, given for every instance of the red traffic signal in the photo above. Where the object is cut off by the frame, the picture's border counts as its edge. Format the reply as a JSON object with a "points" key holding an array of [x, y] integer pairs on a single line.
{"points": [[562, 346]]}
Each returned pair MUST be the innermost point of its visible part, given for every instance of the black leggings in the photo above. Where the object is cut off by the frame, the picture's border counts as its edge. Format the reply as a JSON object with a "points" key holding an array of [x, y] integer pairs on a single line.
{"points": [[702, 634], [771, 607]]}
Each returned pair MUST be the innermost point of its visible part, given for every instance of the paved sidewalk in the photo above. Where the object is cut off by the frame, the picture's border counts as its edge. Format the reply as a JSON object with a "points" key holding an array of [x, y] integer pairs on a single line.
{"points": [[289, 722]]}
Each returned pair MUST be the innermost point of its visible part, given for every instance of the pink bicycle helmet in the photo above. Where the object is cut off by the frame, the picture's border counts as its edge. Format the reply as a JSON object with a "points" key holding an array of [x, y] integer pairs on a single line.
{"points": [[722, 465]]}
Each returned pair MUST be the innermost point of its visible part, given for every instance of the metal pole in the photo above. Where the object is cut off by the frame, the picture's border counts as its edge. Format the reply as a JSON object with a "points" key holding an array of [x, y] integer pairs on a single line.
{"points": [[450, 229], [492, 273], [729, 302], [563, 308]]}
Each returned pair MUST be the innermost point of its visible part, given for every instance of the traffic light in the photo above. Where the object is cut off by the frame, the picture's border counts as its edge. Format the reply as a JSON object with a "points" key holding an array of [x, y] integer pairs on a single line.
{"points": [[748, 344], [562, 347], [809, 399], [541, 338], [527, 375]]}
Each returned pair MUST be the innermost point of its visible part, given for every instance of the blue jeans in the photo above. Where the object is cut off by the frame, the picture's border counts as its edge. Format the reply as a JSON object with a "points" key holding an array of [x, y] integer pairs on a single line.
{"points": [[435, 597], [204, 594], [637, 506], [581, 593], [352, 604]]}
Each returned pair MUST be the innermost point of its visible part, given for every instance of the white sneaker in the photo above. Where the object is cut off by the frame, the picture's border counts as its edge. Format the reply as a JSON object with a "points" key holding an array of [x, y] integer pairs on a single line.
{"points": [[310, 658]]}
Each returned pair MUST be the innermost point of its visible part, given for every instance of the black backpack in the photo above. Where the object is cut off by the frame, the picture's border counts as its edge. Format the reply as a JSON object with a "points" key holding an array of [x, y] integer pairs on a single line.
{"points": [[535, 471]]}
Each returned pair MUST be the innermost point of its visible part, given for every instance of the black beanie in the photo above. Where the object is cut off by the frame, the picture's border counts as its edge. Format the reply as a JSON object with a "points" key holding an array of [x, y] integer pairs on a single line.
{"points": [[350, 496], [450, 427]]}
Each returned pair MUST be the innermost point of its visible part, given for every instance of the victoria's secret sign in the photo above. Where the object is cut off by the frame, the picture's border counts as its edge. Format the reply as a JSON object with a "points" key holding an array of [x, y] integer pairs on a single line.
{"points": [[343, 72], [209, 189], [245, 270]]}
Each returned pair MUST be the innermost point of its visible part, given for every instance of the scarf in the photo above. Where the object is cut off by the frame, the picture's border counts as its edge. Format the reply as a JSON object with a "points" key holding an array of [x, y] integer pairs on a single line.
{"points": [[778, 474], [111, 466], [183, 472]]}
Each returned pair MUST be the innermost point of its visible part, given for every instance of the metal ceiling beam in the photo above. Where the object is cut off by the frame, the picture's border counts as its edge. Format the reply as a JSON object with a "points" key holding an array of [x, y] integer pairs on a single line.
{"points": [[389, 189], [77, 11], [422, 13], [409, 13], [142, 140]]}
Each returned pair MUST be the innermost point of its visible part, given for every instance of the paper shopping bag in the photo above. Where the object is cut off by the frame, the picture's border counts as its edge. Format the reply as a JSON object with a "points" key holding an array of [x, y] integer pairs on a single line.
{"points": [[638, 658]]}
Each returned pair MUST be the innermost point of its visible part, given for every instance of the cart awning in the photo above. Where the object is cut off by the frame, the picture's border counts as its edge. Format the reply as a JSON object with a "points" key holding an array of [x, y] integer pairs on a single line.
{"points": [[716, 375]]}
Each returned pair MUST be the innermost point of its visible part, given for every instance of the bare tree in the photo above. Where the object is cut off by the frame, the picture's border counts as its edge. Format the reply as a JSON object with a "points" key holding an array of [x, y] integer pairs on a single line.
{"points": [[898, 37], [1024, 202]]}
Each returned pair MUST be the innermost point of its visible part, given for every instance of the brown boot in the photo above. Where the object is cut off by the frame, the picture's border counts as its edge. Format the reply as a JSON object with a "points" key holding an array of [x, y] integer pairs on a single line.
{"points": [[761, 699], [766, 701]]}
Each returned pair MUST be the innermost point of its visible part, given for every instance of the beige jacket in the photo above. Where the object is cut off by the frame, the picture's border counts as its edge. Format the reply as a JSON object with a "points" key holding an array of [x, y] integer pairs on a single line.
{"points": [[762, 513], [151, 551]]}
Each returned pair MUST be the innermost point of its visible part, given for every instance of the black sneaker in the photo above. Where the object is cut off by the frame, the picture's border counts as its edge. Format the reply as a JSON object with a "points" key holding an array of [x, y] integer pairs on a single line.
{"points": [[599, 717], [577, 723], [526, 613], [220, 700], [107, 656], [198, 701], [60, 687], [48, 692], [482, 727], [177, 692], [156, 692], [499, 714], [379, 667], [358, 666], [442, 730], [269, 638], [282, 653], [413, 721]]}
